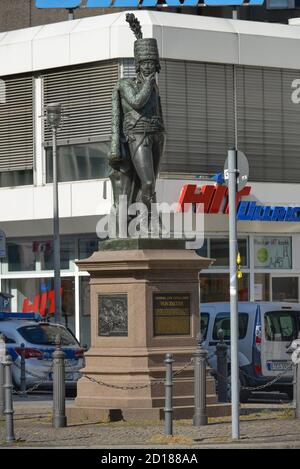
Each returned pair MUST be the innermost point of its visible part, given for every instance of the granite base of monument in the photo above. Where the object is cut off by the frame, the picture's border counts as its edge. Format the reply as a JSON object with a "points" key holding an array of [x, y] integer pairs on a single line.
{"points": [[144, 304]]}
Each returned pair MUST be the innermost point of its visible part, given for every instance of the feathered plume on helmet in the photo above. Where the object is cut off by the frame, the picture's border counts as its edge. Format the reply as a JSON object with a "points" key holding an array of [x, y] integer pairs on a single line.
{"points": [[144, 48]]}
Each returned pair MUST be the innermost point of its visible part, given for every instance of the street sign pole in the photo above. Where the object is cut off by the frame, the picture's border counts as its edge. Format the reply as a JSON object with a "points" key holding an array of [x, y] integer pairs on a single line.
{"points": [[232, 190]]}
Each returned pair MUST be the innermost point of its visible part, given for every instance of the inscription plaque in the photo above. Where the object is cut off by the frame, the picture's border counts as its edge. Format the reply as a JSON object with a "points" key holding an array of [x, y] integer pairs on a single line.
{"points": [[171, 313]]}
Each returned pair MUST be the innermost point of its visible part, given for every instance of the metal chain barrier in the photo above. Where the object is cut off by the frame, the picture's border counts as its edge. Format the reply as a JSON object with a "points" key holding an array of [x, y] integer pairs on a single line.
{"points": [[269, 383], [138, 386], [262, 386], [34, 375]]}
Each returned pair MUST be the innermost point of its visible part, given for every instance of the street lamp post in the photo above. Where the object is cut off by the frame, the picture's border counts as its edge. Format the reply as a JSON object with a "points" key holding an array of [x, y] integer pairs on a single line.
{"points": [[54, 120]]}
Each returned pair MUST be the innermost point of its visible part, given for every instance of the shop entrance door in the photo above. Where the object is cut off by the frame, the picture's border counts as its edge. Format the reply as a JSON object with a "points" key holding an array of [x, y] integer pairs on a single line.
{"points": [[285, 288]]}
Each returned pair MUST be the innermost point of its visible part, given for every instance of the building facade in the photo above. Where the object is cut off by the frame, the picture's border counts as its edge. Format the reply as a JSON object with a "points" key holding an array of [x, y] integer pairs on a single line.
{"points": [[77, 63]]}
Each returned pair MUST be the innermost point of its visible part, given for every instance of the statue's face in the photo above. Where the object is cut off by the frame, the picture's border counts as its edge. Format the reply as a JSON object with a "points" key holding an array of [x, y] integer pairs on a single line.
{"points": [[147, 67]]}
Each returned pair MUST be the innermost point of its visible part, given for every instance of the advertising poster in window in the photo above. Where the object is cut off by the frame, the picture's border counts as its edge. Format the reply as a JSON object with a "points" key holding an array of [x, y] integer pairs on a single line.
{"points": [[273, 252]]}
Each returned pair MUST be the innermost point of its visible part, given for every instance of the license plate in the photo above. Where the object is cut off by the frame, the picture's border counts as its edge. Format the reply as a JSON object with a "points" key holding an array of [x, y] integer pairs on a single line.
{"points": [[278, 366]]}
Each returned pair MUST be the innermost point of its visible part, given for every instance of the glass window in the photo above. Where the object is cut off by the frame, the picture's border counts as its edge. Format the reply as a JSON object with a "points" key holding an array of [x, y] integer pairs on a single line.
{"points": [[21, 256], [79, 162], [285, 289], [272, 252], [262, 287], [204, 320], [87, 247], [16, 178], [35, 255], [45, 334], [215, 287], [219, 250], [222, 321], [45, 253], [280, 326]]}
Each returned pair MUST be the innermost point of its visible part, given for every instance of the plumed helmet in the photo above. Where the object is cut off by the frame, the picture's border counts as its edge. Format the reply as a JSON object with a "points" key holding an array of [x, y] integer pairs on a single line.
{"points": [[144, 48]]}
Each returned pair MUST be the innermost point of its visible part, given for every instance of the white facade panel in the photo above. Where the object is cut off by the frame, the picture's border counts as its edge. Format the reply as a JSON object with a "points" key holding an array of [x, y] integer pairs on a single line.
{"points": [[51, 52], [87, 198], [16, 203], [76, 199], [89, 46], [8, 53], [20, 35], [200, 45], [92, 198], [43, 201], [269, 51]]}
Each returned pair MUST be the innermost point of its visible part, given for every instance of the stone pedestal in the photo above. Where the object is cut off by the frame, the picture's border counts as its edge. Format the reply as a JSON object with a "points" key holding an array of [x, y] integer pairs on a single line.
{"points": [[144, 303]]}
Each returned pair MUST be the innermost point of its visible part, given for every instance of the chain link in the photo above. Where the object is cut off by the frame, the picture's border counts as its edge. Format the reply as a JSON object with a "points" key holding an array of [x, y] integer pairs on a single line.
{"points": [[256, 388], [269, 383], [138, 386], [34, 375]]}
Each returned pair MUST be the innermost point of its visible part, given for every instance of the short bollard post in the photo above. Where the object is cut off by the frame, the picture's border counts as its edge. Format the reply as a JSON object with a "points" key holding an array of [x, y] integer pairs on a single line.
{"points": [[297, 407], [169, 395], [8, 401], [200, 356], [294, 384], [59, 411], [222, 367], [1, 389], [2, 359], [23, 371]]}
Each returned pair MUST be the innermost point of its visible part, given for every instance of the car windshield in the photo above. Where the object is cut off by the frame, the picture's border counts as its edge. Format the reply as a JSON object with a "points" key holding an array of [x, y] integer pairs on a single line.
{"points": [[45, 334]]}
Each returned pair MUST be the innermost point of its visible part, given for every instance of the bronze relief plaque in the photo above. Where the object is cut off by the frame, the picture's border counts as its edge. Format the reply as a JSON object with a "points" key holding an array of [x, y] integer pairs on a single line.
{"points": [[113, 315]]}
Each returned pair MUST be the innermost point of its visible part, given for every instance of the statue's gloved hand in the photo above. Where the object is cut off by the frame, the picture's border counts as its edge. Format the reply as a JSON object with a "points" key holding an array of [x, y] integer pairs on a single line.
{"points": [[151, 79], [114, 158]]}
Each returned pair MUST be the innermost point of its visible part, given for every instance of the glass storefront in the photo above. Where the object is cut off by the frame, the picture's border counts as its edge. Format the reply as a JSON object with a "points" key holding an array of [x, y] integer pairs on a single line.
{"points": [[265, 256], [27, 273]]}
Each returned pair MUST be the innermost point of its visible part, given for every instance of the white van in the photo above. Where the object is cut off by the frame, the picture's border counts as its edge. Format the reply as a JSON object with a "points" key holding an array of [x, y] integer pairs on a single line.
{"points": [[266, 330]]}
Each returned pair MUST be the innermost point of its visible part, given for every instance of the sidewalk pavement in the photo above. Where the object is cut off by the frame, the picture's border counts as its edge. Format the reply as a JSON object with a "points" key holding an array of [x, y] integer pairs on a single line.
{"points": [[262, 426]]}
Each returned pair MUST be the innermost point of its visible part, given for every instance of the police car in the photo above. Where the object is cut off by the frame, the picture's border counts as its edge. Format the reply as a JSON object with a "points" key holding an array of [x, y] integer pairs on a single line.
{"points": [[39, 338]]}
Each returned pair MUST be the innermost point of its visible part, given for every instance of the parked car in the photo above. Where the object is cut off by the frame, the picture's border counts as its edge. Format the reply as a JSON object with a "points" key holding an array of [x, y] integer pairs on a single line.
{"points": [[266, 330], [38, 338]]}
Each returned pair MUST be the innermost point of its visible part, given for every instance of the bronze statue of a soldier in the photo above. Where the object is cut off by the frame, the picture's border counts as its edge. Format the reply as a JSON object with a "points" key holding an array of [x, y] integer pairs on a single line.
{"points": [[138, 137]]}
